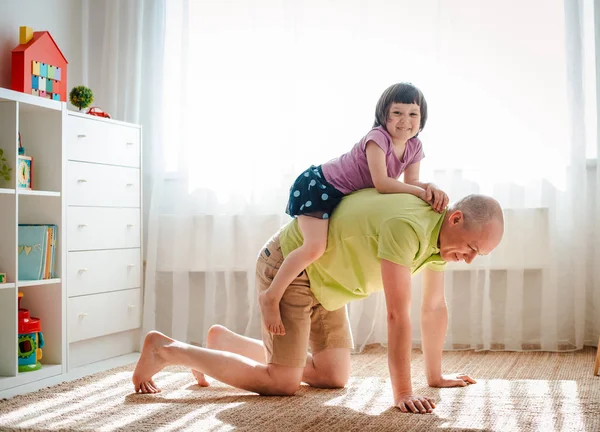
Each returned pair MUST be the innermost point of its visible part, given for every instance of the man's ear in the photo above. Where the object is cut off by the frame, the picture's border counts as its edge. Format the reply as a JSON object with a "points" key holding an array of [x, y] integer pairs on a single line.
{"points": [[456, 217]]}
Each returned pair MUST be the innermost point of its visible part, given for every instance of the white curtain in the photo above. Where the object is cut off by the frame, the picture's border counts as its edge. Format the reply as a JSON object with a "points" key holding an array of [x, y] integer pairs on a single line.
{"points": [[123, 57], [255, 92]]}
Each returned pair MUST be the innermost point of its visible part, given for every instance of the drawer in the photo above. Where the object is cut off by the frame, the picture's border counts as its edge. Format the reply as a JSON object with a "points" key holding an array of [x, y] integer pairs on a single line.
{"points": [[102, 314], [93, 228], [96, 140], [102, 271], [91, 184]]}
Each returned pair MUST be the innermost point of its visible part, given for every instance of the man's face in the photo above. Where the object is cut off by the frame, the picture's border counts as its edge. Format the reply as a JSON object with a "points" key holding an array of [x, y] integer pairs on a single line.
{"points": [[461, 243]]}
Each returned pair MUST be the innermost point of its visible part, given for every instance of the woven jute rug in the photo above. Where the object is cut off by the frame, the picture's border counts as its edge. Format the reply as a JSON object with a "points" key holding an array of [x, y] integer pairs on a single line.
{"points": [[515, 392]]}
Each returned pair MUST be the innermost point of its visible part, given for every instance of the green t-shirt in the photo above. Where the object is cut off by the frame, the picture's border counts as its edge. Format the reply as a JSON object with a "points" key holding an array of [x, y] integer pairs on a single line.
{"points": [[366, 227]]}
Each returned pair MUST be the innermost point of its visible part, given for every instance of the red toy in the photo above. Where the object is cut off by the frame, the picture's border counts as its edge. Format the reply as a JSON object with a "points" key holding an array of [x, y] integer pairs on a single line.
{"points": [[31, 340], [98, 112], [38, 66]]}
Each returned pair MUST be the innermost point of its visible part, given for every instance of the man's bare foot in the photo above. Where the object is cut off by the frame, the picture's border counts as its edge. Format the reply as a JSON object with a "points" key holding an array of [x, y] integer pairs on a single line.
{"points": [[200, 378], [150, 363], [269, 308], [217, 338]]}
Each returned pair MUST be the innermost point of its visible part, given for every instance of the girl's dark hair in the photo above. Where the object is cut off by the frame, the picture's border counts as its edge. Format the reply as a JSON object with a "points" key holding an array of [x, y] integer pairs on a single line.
{"points": [[403, 92]]}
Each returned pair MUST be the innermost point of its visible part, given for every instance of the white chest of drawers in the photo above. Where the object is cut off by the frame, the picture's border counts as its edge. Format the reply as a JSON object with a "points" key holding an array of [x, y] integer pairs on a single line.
{"points": [[87, 182], [104, 234]]}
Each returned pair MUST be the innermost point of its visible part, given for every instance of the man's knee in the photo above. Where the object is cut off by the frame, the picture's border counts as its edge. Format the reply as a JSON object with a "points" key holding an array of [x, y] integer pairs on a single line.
{"points": [[285, 381], [288, 388], [339, 378], [334, 378], [332, 368]]}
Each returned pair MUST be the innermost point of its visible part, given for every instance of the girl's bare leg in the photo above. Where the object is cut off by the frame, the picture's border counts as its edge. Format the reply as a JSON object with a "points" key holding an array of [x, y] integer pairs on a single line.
{"points": [[314, 231]]}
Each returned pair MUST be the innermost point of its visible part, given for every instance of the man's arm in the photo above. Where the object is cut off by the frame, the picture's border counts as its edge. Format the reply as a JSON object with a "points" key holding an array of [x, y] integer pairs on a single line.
{"points": [[396, 284], [434, 323]]}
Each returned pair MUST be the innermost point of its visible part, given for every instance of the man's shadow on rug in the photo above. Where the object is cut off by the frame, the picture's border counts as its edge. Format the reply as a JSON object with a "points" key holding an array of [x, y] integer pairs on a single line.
{"points": [[310, 409]]}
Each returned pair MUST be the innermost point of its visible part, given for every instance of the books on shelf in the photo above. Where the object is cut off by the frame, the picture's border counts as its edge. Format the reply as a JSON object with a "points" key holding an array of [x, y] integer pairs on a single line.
{"points": [[37, 251]]}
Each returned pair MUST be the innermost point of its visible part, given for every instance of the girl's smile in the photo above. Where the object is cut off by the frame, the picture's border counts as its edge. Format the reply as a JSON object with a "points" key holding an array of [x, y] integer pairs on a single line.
{"points": [[404, 121]]}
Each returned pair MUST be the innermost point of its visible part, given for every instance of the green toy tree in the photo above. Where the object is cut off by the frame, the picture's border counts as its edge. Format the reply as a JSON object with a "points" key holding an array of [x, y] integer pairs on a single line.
{"points": [[4, 168], [81, 97]]}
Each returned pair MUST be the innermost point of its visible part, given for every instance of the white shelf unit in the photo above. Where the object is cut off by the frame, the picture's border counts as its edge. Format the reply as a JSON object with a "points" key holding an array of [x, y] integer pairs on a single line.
{"points": [[40, 123], [87, 173]]}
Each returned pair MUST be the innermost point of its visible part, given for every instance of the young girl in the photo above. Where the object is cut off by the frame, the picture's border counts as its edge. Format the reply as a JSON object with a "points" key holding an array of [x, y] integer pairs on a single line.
{"points": [[389, 149]]}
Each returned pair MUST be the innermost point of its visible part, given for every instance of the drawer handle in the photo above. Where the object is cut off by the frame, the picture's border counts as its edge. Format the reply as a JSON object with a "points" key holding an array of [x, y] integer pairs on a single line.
{"points": [[82, 181], [81, 136], [130, 225], [130, 265], [82, 315], [129, 184], [82, 270], [131, 307], [81, 225], [129, 143]]}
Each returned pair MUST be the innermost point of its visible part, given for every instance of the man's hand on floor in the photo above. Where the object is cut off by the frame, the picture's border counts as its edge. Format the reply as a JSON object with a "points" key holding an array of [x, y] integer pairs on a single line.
{"points": [[454, 380], [410, 402]]}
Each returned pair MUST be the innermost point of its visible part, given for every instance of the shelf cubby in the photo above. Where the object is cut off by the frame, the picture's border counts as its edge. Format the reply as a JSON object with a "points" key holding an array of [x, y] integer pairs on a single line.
{"points": [[46, 303], [41, 136], [39, 122]]}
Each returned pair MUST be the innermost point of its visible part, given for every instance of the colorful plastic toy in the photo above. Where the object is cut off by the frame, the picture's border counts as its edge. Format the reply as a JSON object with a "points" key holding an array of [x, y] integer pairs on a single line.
{"points": [[31, 340], [38, 66], [25, 172], [24, 168]]}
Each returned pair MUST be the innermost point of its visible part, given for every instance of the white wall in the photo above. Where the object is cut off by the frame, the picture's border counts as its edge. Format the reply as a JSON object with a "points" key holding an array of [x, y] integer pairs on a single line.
{"points": [[62, 18]]}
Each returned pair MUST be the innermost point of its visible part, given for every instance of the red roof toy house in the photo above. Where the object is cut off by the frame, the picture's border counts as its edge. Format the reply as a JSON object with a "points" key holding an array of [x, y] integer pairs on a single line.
{"points": [[38, 66]]}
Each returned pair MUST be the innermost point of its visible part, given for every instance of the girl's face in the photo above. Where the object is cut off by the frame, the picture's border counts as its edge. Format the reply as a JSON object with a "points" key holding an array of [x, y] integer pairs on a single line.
{"points": [[403, 121]]}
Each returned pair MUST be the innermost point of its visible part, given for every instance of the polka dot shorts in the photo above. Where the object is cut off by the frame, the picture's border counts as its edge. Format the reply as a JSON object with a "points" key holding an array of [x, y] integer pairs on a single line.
{"points": [[312, 195]]}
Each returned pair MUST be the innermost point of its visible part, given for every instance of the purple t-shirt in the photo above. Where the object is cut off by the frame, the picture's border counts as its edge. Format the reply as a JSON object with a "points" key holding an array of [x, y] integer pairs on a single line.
{"points": [[350, 172]]}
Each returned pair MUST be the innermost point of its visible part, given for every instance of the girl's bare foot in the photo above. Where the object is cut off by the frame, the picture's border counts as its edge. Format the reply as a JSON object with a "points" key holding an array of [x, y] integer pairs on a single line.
{"points": [[269, 308], [150, 363]]}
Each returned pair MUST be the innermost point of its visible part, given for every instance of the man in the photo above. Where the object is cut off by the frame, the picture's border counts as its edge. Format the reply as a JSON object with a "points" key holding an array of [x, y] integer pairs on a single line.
{"points": [[375, 241]]}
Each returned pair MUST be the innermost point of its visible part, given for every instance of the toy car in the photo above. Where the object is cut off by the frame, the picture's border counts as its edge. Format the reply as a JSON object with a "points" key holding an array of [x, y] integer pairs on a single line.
{"points": [[98, 112]]}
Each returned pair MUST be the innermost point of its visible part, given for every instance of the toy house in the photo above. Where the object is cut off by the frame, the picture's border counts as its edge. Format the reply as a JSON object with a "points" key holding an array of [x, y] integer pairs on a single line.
{"points": [[38, 66]]}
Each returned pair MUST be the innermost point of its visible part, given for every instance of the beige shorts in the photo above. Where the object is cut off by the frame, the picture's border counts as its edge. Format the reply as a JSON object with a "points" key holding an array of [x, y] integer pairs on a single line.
{"points": [[306, 322]]}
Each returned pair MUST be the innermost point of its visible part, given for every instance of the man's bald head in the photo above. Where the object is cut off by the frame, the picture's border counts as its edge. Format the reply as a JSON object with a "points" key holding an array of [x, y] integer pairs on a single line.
{"points": [[472, 226], [479, 210]]}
